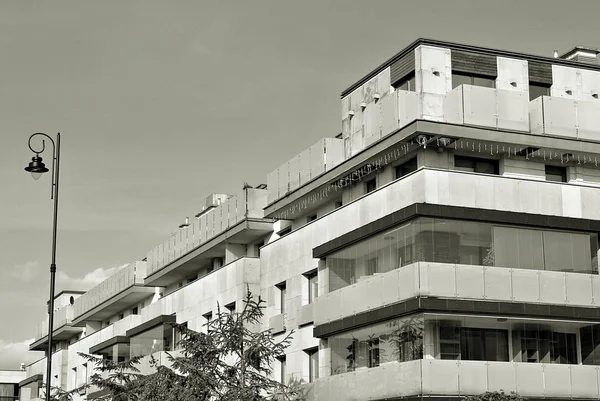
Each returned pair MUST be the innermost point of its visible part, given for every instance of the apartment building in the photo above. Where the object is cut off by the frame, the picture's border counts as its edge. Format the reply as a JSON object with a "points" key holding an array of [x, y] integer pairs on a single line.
{"points": [[445, 244], [9, 384]]}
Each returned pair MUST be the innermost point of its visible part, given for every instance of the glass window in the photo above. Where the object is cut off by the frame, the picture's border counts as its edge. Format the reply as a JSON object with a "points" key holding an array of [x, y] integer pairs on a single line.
{"points": [[313, 286], [465, 79], [537, 90], [463, 242], [151, 341], [407, 84], [371, 185], [476, 165], [406, 168], [590, 344], [396, 340], [313, 364], [310, 218], [540, 344], [281, 288], [556, 173]]}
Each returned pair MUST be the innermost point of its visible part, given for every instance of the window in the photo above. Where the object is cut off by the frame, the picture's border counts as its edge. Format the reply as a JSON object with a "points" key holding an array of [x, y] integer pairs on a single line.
{"points": [[463, 242], [397, 340], [230, 307], [476, 165], [313, 364], [537, 90], [406, 168], [258, 246], [371, 185], [313, 286], [178, 336], [282, 363], [465, 79], [537, 344], [556, 173], [151, 341], [407, 84], [207, 317], [281, 288], [121, 316], [337, 204], [134, 311], [310, 218], [285, 231]]}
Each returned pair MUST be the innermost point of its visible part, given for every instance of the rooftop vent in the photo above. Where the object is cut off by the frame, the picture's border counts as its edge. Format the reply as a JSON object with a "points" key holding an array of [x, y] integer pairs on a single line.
{"points": [[586, 55]]}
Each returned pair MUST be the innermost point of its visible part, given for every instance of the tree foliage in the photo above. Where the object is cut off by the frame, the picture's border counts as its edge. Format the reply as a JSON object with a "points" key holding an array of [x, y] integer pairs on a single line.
{"points": [[495, 396], [232, 361]]}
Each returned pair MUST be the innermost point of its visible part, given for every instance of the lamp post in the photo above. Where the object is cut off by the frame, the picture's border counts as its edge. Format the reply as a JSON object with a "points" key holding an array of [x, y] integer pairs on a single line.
{"points": [[36, 167]]}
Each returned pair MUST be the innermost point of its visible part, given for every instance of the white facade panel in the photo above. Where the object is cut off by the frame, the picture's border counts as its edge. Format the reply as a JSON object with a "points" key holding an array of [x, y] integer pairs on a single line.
{"points": [[560, 117], [513, 75], [564, 82], [479, 106], [588, 120], [409, 107], [513, 110]]}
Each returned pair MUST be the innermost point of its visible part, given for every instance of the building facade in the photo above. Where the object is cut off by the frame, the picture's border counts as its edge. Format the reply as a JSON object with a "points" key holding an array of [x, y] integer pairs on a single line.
{"points": [[444, 244], [9, 384]]}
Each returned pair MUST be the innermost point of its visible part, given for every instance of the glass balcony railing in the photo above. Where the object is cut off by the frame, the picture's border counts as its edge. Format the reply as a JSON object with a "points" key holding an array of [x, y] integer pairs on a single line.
{"points": [[120, 281], [249, 203]]}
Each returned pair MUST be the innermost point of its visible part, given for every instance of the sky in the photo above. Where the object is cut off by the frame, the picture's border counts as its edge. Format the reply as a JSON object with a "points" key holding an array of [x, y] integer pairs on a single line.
{"points": [[161, 103]]}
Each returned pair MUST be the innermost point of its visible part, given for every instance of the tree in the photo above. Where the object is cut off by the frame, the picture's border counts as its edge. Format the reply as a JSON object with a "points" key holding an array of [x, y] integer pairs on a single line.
{"points": [[495, 396], [232, 361]]}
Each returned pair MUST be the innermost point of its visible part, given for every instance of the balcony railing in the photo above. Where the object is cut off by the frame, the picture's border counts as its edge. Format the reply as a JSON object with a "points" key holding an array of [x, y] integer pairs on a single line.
{"points": [[460, 378], [487, 107], [249, 203], [459, 282], [124, 278], [62, 317], [565, 117], [312, 162]]}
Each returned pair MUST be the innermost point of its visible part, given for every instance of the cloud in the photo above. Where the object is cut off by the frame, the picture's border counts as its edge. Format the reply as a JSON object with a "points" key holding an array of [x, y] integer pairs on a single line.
{"points": [[88, 281], [25, 271], [13, 354]]}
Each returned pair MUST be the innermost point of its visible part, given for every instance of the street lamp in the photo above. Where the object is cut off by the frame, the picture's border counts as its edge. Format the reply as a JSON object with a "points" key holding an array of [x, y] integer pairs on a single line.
{"points": [[37, 167]]}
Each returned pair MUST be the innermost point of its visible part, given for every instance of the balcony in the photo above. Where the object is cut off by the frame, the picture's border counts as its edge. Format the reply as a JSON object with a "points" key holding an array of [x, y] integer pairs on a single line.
{"points": [[238, 220], [449, 281], [223, 286], [564, 117], [312, 162], [460, 378], [487, 107], [62, 329], [119, 291]]}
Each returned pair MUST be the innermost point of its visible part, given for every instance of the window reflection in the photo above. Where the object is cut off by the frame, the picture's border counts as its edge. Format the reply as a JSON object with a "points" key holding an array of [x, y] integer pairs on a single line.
{"points": [[463, 242], [150, 341], [397, 340]]}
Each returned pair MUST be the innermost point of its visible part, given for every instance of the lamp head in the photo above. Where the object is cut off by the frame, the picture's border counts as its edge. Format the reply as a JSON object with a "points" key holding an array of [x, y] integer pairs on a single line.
{"points": [[36, 167]]}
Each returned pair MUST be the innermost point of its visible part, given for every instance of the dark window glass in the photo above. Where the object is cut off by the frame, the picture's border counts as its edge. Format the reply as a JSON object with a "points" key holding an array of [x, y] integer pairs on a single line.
{"points": [[371, 185], [464, 79], [538, 345], [407, 84], [311, 218], [134, 311], [463, 242], [406, 168], [313, 286], [313, 364], [285, 231], [556, 173], [537, 90], [476, 165]]}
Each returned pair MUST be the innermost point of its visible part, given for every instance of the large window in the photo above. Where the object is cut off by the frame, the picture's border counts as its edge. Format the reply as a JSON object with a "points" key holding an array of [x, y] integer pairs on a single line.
{"points": [[407, 84], [472, 344], [150, 341], [397, 340], [476, 165], [537, 90], [406, 168], [465, 79], [463, 242], [556, 173]]}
